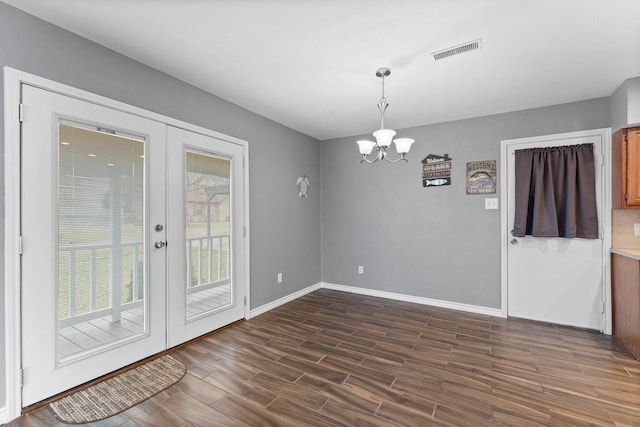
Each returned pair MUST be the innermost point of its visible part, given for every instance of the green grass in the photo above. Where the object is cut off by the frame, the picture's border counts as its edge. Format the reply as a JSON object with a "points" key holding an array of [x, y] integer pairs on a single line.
{"points": [[103, 273], [205, 266]]}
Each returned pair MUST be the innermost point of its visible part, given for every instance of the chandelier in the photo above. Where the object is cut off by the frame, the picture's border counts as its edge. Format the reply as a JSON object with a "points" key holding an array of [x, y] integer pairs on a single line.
{"points": [[383, 136]]}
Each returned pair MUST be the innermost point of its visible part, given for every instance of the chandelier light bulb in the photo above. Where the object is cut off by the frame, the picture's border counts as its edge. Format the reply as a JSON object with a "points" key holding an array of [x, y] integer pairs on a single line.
{"points": [[384, 136], [365, 146], [403, 145]]}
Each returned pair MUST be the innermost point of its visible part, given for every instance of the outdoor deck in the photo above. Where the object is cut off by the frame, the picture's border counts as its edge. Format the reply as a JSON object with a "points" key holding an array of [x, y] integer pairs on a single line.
{"points": [[101, 331]]}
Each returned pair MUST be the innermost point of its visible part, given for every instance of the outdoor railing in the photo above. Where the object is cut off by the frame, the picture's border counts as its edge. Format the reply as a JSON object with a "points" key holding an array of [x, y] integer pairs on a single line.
{"points": [[91, 269], [208, 261], [89, 294]]}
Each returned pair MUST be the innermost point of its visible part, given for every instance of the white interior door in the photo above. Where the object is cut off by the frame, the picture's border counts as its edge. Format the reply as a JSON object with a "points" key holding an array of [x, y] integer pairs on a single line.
{"points": [[206, 234], [93, 283], [557, 280]]}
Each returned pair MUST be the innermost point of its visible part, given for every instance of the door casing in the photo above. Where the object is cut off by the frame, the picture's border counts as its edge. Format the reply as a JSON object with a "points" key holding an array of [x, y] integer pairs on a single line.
{"points": [[605, 221], [13, 112]]}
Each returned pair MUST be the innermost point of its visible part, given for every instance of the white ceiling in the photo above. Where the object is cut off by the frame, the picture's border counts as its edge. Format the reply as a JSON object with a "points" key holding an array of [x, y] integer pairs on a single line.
{"points": [[310, 64]]}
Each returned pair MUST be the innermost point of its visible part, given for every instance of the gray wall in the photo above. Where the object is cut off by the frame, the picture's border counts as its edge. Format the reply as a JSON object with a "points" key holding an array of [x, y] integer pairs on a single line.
{"points": [[285, 230], [625, 105], [619, 107], [433, 242]]}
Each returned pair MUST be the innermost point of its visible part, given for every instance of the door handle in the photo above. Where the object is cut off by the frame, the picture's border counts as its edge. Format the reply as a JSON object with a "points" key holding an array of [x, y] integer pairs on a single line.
{"points": [[160, 244], [514, 241]]}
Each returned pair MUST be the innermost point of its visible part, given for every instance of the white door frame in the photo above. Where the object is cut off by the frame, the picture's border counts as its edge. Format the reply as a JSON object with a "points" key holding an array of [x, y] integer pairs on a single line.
{"points": [[13, 79], [605, 221]]}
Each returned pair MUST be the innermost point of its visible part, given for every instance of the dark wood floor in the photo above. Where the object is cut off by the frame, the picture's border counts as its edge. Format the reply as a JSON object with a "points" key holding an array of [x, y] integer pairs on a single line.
{"points": [[333, 358]]}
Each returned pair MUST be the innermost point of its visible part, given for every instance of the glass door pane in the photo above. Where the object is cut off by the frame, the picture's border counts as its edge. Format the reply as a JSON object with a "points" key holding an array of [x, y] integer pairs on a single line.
{"points": [[207, 230], [101, 263]]}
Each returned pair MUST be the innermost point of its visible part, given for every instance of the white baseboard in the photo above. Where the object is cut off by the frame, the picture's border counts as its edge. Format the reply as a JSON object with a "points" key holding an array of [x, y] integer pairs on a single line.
{"points": [[285, 299], [417, 300], [4, 415], [382, 294]]}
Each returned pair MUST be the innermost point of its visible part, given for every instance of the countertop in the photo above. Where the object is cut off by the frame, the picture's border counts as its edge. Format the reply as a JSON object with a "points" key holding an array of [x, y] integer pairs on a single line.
{"points": [[630, 253]]}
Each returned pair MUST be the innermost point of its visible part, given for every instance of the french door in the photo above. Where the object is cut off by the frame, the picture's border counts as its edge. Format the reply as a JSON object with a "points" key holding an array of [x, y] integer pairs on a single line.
{"points": [[131, 239], [206, 194]]}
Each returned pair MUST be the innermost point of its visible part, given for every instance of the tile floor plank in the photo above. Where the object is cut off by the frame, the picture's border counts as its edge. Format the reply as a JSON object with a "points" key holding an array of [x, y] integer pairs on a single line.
{"points": [[331, 358]]}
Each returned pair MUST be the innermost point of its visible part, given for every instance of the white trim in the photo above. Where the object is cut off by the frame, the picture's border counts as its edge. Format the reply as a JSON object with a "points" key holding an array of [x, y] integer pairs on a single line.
{"points": [[605, 221], [4, 418], [19, 77], [12, 325], [13, 79], [504, 235], [606, 225], [374, 293], [488, 311], [285, 299], [247, 236]]}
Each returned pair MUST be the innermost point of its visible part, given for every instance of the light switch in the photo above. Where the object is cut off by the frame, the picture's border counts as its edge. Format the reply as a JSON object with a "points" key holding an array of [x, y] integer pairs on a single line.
{"points": [[636, 229], [491, 203]]}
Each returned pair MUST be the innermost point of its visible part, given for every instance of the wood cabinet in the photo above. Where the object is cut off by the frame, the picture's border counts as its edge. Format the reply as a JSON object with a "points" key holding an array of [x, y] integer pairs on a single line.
{"points": [[625, 148], [626, 301]]}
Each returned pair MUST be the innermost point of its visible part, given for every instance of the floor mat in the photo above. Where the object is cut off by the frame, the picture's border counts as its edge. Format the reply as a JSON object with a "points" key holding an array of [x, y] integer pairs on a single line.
{"points": [[118, 393]]}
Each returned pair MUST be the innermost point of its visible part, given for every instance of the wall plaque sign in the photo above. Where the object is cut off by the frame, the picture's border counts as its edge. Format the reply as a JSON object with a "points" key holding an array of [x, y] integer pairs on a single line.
{"points": [[481, 177], [436, 170]]}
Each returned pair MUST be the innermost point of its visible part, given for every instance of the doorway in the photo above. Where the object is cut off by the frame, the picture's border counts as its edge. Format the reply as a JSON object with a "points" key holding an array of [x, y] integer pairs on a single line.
{"points": [[558, 280], [109, 271]]}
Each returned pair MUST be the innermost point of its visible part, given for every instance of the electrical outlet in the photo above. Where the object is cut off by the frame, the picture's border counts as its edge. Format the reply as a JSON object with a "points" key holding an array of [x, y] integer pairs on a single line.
{"points": [[360, 269], [636, 229], [279, 278], [491, 203]]}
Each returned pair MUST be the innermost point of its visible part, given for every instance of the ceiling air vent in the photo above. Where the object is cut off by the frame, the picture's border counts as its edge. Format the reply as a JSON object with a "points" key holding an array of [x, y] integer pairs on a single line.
{"points": [[457, 50]]}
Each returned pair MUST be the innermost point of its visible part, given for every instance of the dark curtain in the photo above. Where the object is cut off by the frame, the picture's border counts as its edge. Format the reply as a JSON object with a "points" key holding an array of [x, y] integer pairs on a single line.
{"points": [[555, 192]]}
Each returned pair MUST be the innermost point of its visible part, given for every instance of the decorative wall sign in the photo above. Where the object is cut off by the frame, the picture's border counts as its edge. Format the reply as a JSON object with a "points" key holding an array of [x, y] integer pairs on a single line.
{"points": [[436, 170], [303, 186], [481, 177]]}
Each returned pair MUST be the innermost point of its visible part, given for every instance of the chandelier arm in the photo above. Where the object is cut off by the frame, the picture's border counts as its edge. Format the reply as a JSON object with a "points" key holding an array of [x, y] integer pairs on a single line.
{"points": [[396, 160], [366, 160], [379, 155]]}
